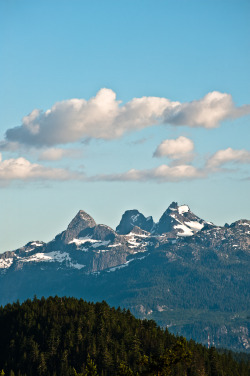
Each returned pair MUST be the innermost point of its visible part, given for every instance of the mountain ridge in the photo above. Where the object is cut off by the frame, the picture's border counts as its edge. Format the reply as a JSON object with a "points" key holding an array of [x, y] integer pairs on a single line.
{"points": [[183, 263]]}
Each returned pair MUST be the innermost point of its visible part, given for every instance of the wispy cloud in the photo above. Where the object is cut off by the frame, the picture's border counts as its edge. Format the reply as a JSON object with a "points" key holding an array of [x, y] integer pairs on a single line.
{"points": [[23, 170], [180, 172], [229, 155], [104, 117], [160, 174], [140, 141], [56, 154]]}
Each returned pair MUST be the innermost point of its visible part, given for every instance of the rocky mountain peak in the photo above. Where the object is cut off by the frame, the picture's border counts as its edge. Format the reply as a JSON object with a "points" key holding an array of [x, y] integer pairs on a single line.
{"points": [[179, 220], [80, 222], [173, 206], [182, 252], [132, 218]]}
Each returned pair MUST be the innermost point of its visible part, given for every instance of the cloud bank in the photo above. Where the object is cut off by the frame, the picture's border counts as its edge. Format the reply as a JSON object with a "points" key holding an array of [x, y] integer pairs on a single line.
{"points": [[180, 172], [104, 117], [20, 169], [161, 174]]}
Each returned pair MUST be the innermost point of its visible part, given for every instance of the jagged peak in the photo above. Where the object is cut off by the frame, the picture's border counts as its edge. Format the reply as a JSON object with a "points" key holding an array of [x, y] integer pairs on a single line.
{"points": [[173, 206], [131, 212], [179, 208], [83, 215], [132, 218], [80, 222]]}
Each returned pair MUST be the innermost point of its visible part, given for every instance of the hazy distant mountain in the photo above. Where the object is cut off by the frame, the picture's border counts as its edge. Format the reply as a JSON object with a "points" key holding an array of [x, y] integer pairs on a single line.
{"points": [[183, 271]]}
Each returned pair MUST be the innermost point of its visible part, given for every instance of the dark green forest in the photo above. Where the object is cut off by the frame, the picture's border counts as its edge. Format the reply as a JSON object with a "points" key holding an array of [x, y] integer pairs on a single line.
{"points": [[70, 337]]}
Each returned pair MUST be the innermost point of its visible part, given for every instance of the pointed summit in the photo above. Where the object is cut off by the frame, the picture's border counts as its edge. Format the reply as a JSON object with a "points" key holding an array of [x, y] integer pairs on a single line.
{"points": [[173, 206], [165, 223], [132, 218], [179, 220], [79, 223]]}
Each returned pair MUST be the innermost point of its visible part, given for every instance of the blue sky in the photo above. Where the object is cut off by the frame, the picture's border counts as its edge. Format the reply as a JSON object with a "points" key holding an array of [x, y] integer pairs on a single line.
{"points": [[115, 105]]}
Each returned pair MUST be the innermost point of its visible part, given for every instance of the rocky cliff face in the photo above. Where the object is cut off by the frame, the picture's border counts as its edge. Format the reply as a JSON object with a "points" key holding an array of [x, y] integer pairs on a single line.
{"points": [[80, 222], [164, 270]]}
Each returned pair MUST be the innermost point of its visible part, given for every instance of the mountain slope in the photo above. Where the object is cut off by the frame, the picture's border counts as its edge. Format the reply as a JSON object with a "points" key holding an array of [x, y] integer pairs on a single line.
{"points": [[59, 336], [188, 274]]}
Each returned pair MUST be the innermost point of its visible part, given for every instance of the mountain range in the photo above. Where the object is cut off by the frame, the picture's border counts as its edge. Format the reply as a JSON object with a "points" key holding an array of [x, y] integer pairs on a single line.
{"points": [[186, 273]]}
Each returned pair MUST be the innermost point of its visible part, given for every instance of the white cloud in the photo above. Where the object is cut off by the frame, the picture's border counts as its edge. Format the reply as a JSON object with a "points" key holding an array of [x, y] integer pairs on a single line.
{"points": [[228, 155], [180, 172], [160, 174], [179, 148], [21, 169], [207, 112], [56, 154], [103, 117]]}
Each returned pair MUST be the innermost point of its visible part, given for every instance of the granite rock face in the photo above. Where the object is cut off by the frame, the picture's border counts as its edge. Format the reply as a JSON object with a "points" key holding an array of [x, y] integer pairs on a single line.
{"points": [[79, 223]]}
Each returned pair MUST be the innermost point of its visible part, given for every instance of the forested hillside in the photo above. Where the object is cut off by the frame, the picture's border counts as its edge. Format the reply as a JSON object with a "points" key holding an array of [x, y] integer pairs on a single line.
{"points": [[67, 336]]}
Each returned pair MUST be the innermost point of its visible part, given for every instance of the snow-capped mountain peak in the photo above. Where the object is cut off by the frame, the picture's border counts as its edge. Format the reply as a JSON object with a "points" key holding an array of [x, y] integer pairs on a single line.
{"points": [[179, 221]]}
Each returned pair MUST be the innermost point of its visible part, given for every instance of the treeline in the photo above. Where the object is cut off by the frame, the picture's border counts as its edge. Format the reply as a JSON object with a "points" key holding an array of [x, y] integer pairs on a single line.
{"points": [[70, 337]]}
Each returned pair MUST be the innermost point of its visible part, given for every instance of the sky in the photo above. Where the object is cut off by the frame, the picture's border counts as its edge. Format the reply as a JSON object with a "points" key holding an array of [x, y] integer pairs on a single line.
{"points": [[108, 106]]}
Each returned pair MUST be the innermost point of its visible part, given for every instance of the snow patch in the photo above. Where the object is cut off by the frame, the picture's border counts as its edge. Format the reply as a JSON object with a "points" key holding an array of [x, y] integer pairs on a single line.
{"points": [[55, 256], [103, 250], [83, 249], [76, 265], [139, 235], [183, 209], [134, 217], [29, 250], [186, 230], [135, 241], [124, 265], [80, 241], [194, 225], [99, 243], [6, 263], [37, 244], [94, 242]]}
